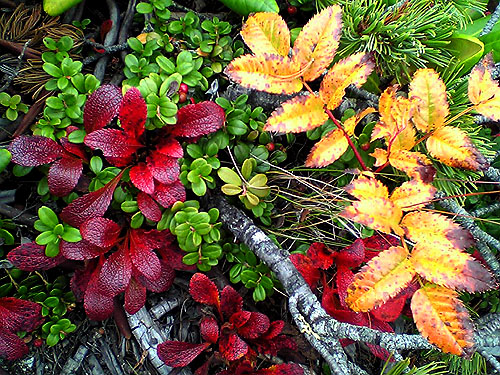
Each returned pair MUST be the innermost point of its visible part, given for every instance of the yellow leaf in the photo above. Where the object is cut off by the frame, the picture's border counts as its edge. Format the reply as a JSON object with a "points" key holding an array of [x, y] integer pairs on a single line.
{"points": [[377, 213], [382, 278], [435, 229], [482, 87], [298, 114], [351, 122], [414, 164], [328, 149], [451, 146], [266, 32], [429, 93], [450, 267], [442, 319], [412, 195], [380, 156], [367, 188], [271, 73], [490, 108], [354, 69], [318, 41]]}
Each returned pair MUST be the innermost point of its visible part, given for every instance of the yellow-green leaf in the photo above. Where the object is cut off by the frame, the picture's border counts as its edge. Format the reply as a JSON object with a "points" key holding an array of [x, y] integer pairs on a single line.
{"points": [[412, 195], [382, 278], [482, 87], [429, 93], [328, 149], [453, 147], [266, 33], [317, 42], [266, 72], [442, 319], [298, 114]]}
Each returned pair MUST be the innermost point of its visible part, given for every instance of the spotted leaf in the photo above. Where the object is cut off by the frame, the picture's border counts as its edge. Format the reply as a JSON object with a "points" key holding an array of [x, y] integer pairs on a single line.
{"points": [[412, 195], [101, 107], [203, 290], [34, 150], [266, 32], [178, 353], [198, 119], [331, 147]]}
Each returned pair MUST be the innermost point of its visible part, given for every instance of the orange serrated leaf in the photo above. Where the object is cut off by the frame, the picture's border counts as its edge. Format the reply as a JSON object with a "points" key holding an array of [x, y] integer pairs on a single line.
{"points": [[380, 279], [298, 114], [442, 319], [412, 195], [414, 164], [377, 213], [354, 70], [266, 32], [271, 73], [429, 93], [367, 188], [482, 87], [328, 149], [435, 229], [318, 41], [380, 156], [453, 147], [450, 267]]}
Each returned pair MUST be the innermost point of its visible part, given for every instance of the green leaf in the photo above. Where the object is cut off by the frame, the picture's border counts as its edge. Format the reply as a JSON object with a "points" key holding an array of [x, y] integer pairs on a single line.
{"points": [[53, 70], [191, 258], [56, 8], [7, 237], [467, 49], [229, 176], [259, 293], [51, 301], [96, 164], [71, 234], [144, 8], [230, 189], [137, 220], [52, 249], [52, 339], [199, 188], [48, 217], [247, 167], [245, 7], [5, 157]]}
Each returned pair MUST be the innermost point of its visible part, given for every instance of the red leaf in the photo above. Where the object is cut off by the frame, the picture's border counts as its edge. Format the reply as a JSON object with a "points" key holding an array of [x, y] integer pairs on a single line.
{"points": [[31, 257], [19, 315], [135, 296], [167, 195], [80, 250], [344, 278], [113, 143], [174, 255], [64, 175], [170, 147], [97, 305], [380, 242], [133, 113], [379, 352], [257, 325], [100, 231], [209, 329], [145, 261], [230, 301], [281, 369], [194, 120], [391, 310], [240, 318], [35, 150], [320, 255], [115, 273], [81, 278], [304, 265], [163, 168], [203, 290], [232, 347], [163, 283], [148, 207], [274, 330], [73, 148], [141, 177], [11, 346], [178, 353], [351, 256], [101, 107], [90, 205]]}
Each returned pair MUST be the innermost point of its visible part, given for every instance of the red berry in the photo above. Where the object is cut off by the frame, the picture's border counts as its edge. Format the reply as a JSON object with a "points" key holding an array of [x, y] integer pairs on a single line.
{"points": [[37, 343], [183, 88], [270, 146], [292, 11], [365, 146], [182, 97]]}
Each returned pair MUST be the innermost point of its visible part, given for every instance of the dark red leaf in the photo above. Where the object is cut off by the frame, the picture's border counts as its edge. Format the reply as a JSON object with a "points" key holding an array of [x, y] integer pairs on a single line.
{"points": [[174, 255], [379, 352], [115, 273], [232, 347], [163, 168], [90, 205], [135, 296], [81, 278], [281, 369], [100, 231], [391, 310], [97, 305], [35, 150], [351, 256], [257, 325], [143, 258], [113, 142], [101, 107], [380, 242], [133, 113], [209, 329], [274, 330], [230, 301], [119, 161], [178, 353], [80, 250], [203, 290], [331, 304], [274, 345], [163, 283], [148, 207], [304, 265], [240, 318], [73, 148], [167, 195], [11, 346], [64, 175], [203, 370], [141, 177], [344, 278], [31, 257], [170, 147], [194, 120], [19, 315], [320, 255]]}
